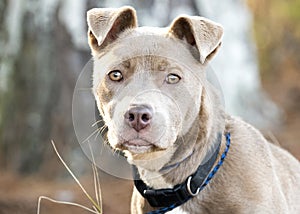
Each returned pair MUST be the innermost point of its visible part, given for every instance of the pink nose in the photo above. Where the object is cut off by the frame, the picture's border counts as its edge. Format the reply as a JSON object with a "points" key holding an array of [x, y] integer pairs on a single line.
{"points": [[138, 117]]}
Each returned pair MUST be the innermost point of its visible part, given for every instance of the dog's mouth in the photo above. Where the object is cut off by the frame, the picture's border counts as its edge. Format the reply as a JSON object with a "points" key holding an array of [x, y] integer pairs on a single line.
{"points": [[138, 146]]}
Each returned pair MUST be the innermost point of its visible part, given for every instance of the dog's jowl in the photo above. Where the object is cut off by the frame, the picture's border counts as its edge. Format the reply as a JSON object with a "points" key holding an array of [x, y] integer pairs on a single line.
{"points": [[187, 154]]}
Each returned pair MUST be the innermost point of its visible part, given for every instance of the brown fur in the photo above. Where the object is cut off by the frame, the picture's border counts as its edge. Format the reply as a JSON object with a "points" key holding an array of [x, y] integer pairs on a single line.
{"points": [[256, 177]]}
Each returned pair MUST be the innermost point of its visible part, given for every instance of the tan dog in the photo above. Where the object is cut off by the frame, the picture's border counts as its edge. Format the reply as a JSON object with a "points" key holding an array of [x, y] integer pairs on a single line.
{"points": [[151, 90]]}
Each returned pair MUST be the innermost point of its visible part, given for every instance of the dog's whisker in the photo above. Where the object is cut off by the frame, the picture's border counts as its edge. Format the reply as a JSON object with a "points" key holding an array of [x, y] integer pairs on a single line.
{"points": [[114, 152], [97, 134], [106, 143], [103, 129], [98, 121], [100, 131], [88, 138]]}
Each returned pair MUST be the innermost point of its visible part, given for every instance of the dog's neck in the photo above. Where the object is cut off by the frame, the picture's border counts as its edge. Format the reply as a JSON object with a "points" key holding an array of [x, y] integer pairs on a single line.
{"points": [[179, 167], [190, 150]]}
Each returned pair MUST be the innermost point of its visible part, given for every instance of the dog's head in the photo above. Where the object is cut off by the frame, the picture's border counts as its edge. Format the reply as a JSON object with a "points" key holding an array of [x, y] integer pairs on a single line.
{"points": [[147, 81]]}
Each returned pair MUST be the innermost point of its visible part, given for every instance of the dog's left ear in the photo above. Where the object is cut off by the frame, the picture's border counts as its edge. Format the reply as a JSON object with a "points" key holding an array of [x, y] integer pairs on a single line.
{"points": [[200, 32]]}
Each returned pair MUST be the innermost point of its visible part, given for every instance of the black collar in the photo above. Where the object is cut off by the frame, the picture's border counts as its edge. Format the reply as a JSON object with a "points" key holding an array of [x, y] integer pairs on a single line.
{"points": [[181, 192]]}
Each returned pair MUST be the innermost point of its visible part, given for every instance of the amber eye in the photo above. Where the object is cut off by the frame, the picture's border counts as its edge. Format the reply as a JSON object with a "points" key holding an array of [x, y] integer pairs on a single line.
{"points": [[115, 75], [172, 78]]}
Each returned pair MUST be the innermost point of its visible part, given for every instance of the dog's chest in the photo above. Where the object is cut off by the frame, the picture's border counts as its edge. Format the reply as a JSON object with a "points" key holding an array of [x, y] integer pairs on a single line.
{"points": [[177, 210], [155, 180]]}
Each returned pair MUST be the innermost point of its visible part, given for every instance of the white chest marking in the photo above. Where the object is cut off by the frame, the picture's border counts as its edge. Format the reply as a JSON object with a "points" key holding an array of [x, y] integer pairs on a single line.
{"points": [[177, 210]]}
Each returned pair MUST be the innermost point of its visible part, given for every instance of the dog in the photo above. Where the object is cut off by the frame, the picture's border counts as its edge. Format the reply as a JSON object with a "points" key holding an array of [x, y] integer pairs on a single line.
{"points": [[188, 156]]}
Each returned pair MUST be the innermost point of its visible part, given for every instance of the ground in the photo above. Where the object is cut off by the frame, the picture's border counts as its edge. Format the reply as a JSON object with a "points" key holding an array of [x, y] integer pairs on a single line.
{"points": [[20, 195]]}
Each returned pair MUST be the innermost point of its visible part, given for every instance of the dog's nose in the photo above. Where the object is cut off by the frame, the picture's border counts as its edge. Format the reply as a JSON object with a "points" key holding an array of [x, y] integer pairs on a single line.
{"points": [[138, 116]]}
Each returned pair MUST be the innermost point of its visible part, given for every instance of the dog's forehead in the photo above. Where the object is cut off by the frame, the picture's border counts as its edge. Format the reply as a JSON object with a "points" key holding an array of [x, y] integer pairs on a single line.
{"points": [[143, 42], [145, 30]]}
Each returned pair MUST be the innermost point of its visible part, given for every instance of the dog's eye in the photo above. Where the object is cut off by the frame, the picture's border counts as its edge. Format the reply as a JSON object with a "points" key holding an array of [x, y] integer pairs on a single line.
{"points": [[173, 78], [115, 75]]}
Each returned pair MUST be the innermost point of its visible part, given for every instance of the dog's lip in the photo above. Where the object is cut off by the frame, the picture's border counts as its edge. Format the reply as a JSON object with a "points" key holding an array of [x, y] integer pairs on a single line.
{"points": [[137, 142], [137, 146]]}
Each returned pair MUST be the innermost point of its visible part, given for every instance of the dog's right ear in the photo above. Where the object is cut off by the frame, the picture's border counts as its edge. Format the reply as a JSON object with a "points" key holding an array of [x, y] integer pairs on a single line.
{"points": [[105, 24]]}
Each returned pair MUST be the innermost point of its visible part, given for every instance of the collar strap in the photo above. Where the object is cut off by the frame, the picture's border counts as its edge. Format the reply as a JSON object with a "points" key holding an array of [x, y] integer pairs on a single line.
{"points": [[170, 198]]}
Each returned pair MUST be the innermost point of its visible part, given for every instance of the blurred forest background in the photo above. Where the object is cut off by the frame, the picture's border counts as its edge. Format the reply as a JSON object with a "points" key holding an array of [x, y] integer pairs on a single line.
{"points": [[43, 48]]}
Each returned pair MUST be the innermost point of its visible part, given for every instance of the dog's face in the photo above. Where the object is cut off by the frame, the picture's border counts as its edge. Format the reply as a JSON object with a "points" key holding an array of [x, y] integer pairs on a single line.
{"points": [[148, 81]]}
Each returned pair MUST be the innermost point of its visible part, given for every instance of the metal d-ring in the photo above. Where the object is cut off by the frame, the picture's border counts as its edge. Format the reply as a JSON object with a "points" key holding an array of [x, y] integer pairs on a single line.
{"points": [[188, 185]]}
